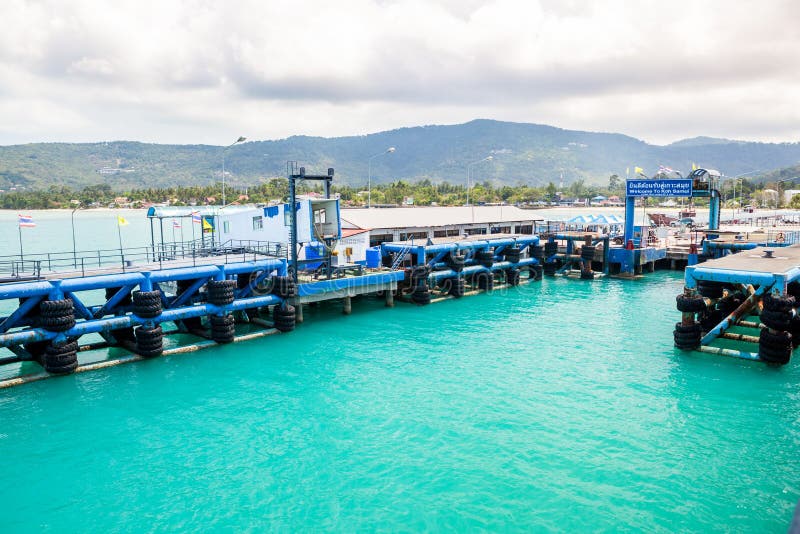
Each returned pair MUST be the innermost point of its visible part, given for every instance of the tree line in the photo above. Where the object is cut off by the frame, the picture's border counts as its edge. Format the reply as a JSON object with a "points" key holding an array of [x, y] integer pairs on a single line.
{"points": [[422, 193]]}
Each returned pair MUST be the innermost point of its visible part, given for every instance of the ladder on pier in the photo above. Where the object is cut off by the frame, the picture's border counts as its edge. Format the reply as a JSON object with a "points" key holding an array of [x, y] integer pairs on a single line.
{"points": [[398, 259]]}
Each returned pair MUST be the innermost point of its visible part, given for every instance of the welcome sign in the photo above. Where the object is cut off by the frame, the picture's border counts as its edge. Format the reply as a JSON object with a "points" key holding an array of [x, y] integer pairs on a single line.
{"points": [[659, 188]]}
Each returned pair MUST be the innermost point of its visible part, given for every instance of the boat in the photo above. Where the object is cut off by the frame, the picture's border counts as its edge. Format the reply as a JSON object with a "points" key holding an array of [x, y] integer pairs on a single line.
{"points": [[660, 219]]}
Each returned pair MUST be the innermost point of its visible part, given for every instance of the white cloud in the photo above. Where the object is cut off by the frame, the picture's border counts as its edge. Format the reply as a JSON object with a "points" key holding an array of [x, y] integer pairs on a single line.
{"points": [[203, 71]]}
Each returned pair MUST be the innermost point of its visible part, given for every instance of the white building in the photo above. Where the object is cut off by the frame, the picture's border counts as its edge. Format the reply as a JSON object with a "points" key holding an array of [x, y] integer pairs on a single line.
{"points": [[788, 194], [318, 223], [403, 224]]}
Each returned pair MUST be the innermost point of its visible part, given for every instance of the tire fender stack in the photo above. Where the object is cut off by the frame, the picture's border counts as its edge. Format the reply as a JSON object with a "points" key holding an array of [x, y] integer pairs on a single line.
{"points": [[221, 293], [457, 287], [149, 338], [687, 334], [550, 266], [485, 281], [587, 255], [284, 315], [776, 342], [58, 357], [420, 293], [485, 258], [512, 254]]}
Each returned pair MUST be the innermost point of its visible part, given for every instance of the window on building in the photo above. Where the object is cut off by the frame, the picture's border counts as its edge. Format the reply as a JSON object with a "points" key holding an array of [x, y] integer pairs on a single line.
{"points": [[226, 227], [377, 239], [258, 223], [413, 235]]}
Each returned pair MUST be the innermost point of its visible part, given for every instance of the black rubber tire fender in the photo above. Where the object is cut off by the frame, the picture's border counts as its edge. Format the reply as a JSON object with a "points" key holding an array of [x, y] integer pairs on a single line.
{"points": [[711, 290], [781, 303], [224, 320], [685, 329], [771, 355], [58, 324], [690, 304], [62, 369], [56, 308], [146, 298], [777, 340], [777, 320]]}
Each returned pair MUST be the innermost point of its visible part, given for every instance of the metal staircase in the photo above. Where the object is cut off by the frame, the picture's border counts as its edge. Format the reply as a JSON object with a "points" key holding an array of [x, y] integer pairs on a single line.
{"points": [[398, 259]]}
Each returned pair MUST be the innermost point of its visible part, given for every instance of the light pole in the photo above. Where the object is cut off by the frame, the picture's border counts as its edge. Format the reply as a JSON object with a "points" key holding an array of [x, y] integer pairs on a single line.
{"points": [[469, 165], [389, 150], [734, 178], [77, 204], [240, 140]]}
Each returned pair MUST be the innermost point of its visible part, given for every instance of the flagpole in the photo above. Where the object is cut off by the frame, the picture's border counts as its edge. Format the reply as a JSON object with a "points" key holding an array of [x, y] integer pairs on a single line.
{"points": [[21, 259], [121, 255]]}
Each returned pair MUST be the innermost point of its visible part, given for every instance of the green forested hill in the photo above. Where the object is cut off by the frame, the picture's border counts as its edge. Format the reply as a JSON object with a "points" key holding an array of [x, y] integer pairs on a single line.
{"points": [[523, 153]]}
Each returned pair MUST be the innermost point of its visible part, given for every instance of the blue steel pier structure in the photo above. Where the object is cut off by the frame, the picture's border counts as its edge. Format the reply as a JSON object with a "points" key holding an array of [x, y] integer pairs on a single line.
{"points": [[65, 322]]}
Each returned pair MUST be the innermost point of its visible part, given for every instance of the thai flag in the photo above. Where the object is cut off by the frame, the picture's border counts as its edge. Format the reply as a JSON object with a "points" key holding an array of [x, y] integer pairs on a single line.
{"points": [[176, 224], [26, 221], [196, 217]]}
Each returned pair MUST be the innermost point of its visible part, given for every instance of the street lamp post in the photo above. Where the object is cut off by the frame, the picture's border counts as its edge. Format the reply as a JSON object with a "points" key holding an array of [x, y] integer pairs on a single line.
{"points": [[240, 140], [741, 189], [469, 165], [77, 204], [389, 150]]}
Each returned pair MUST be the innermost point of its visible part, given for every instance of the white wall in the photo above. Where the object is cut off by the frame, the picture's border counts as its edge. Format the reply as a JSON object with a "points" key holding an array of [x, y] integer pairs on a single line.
{"points": [[269, 223], [359, 243]]}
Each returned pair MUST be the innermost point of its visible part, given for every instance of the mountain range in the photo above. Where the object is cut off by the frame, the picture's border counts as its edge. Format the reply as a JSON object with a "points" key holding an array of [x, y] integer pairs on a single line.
{"points": [[521, 154]]}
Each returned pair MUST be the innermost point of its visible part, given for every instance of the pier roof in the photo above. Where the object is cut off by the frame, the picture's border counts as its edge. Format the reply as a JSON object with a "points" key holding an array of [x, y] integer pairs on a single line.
{"points": [[187, 211], [435, 216]]}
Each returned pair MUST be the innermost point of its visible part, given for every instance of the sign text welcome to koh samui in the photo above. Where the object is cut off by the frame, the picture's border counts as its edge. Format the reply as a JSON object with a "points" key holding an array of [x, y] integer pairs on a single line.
{"points": [[659, 188]]}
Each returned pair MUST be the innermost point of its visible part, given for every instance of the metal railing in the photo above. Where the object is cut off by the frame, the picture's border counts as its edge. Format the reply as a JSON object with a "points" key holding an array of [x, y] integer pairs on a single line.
{"points": [[33, 266]]}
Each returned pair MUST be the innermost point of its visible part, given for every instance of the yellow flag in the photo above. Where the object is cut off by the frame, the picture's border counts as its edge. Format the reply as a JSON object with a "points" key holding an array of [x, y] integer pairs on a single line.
{"points": [[207, 225], [638, 170], [694, 166], [121, 221]]}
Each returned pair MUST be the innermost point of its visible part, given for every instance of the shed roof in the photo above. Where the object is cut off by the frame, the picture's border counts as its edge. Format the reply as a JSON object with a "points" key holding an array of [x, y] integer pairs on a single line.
{"points": [[434, 216], [186, 211]]}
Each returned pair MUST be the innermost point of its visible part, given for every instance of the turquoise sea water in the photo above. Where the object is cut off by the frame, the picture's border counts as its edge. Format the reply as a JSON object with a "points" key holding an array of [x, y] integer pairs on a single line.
{"points": [[560, 405]]}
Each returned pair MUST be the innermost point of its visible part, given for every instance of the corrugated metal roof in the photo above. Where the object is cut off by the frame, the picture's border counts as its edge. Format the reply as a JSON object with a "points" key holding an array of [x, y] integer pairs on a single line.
{"points": [[348, 232], [186, 211], [434, 216]]}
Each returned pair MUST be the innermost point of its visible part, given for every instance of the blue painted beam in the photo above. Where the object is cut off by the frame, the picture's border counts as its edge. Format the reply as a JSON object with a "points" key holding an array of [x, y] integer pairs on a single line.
{"points": [[184, 297], [81, 311], [697, 272], [464, 245], [744, 307], [472, 269], [338, 284], [126, 321], [111, 304], [13, 319], [56, 288]]}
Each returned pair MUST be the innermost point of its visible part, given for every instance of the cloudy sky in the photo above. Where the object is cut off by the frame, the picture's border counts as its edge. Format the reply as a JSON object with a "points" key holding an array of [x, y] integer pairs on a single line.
{"points": [[206, 71]]}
